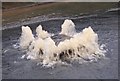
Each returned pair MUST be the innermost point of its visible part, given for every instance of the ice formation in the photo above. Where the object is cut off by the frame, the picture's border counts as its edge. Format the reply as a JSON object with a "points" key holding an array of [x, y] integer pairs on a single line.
{"points": [[83, 45]]}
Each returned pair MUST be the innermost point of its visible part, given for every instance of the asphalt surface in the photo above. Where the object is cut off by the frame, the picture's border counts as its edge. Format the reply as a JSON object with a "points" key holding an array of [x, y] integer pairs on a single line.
{"points": [[105, 24]]}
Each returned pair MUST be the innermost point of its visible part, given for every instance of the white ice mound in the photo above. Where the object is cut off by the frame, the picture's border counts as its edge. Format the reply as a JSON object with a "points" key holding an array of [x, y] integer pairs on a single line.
{"points": [[68, 28], [79, 46]]}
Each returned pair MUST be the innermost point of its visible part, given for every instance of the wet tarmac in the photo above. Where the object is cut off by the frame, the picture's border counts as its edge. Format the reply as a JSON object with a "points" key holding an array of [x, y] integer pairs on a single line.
{"points": [[105, 24]]}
